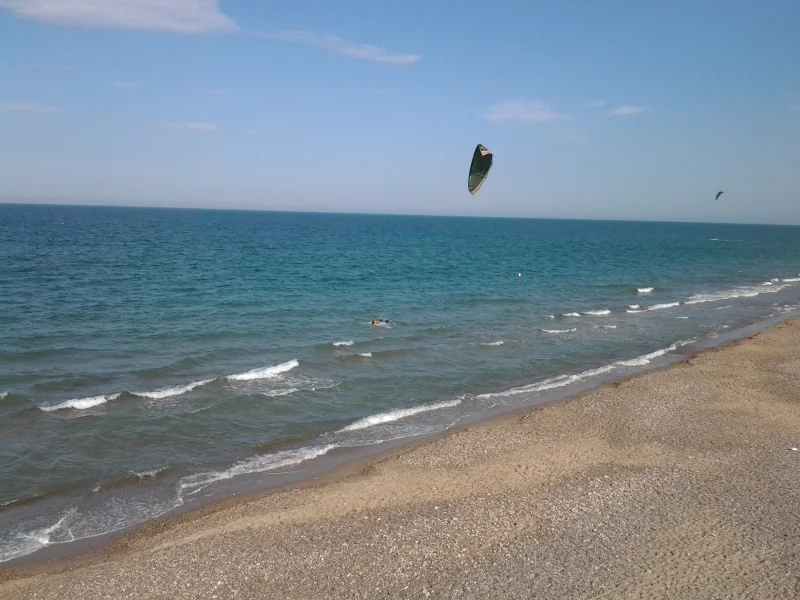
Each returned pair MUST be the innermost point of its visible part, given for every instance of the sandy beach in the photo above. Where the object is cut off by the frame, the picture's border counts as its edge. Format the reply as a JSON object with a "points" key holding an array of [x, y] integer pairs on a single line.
{"points": [[677, 483]]}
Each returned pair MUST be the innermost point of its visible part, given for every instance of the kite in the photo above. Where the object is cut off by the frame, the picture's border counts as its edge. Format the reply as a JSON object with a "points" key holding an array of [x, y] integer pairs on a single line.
{"points": [[479, 168]]}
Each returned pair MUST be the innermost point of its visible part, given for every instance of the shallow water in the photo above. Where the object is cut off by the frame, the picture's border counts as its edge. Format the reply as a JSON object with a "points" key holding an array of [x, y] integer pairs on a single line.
{"points": [[149, 354]]}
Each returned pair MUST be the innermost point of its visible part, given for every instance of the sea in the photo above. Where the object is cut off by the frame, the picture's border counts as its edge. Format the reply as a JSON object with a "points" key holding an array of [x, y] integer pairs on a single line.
{"points": [[150, 359]]}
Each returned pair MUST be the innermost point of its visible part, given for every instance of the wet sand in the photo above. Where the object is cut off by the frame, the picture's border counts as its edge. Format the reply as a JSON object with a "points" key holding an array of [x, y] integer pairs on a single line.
{"points": [[677, 483]]}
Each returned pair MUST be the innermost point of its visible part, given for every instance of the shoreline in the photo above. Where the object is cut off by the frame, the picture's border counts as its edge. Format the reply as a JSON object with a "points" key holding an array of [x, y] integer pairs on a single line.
{"points": [[116, 546], [338, 462]]}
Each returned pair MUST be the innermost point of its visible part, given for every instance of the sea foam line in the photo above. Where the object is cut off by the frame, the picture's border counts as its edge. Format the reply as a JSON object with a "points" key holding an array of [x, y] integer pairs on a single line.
{"points": [[264, 372], [548, 384], [665, 305], [255, 464], [740, 292], [251, 375], [81, 403], [175, 390], [400, 413]]}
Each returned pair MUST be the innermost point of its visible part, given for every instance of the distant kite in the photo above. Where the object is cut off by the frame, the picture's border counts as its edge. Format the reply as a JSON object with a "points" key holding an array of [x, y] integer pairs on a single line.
{"points": [[719, 193], [479, 168]]}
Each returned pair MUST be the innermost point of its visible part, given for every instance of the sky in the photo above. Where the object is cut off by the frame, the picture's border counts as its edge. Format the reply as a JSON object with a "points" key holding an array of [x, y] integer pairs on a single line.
{"points": [[619, 109]]}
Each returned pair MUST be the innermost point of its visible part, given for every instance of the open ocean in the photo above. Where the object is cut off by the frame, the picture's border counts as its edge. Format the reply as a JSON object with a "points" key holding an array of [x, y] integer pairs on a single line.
{"points": [[151, 356]]}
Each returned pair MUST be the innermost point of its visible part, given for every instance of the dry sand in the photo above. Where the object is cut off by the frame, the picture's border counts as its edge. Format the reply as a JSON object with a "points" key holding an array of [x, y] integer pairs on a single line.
{"points": [[679, 483]]}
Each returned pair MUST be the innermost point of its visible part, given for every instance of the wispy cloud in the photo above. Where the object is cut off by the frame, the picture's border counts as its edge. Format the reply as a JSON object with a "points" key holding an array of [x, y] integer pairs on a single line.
{"points": [[27, 108], [124, 84], [172, 16], [204, 127], [627, 111], [521, 111], [596, 104], [344, 47]]}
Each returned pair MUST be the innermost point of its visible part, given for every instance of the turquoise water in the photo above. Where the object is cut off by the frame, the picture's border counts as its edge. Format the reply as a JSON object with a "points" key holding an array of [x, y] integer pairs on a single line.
{"points": [[149, 355]]}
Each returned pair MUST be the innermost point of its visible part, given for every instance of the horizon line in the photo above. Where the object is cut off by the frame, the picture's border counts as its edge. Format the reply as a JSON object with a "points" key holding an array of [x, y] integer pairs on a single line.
{"points": [[332, 212]]}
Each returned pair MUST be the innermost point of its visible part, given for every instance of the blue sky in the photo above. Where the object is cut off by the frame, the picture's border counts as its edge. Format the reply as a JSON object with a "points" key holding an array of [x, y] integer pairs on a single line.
{"points": [[617, 109]]}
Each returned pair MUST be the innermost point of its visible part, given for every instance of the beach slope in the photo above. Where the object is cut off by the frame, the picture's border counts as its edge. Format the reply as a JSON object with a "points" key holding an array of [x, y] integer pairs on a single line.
{"points": [[678, 483]]}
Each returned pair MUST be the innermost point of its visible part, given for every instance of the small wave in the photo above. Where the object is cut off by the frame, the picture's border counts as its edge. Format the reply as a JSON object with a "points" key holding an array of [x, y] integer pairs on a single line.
{"points": [[646, 290], [264, 372], [634, 306], [498, 343], [548, 384], [608, 326], [598, 313], [572, 314], [645, 359], [791, 280], [740, 292], [560, 330], [347, 343], [256, 464], [681, 317], [81, 403], [400, 413], [151, 473], [176, 390], [662, 306], [283, 392], [3, 395], [724, 307], [365, 354]]}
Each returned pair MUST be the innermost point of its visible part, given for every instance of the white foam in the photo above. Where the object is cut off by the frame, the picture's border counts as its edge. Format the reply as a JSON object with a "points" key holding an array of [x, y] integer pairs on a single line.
{"points": [[175, 390], [740, 292], [645, 359], [724, 307], [256, 464], [572, 314], [81, 403], [347, 343], [608, 326], [681, 317], [151, 473], [401, 413], [598, 313], [560, 330], [283, 392], [498, 343], [3, 395], [264, 372], [646, 290], [548, 384], [791, 280], [634, 306], [631, 310], [365, 354], [662, 306]]}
